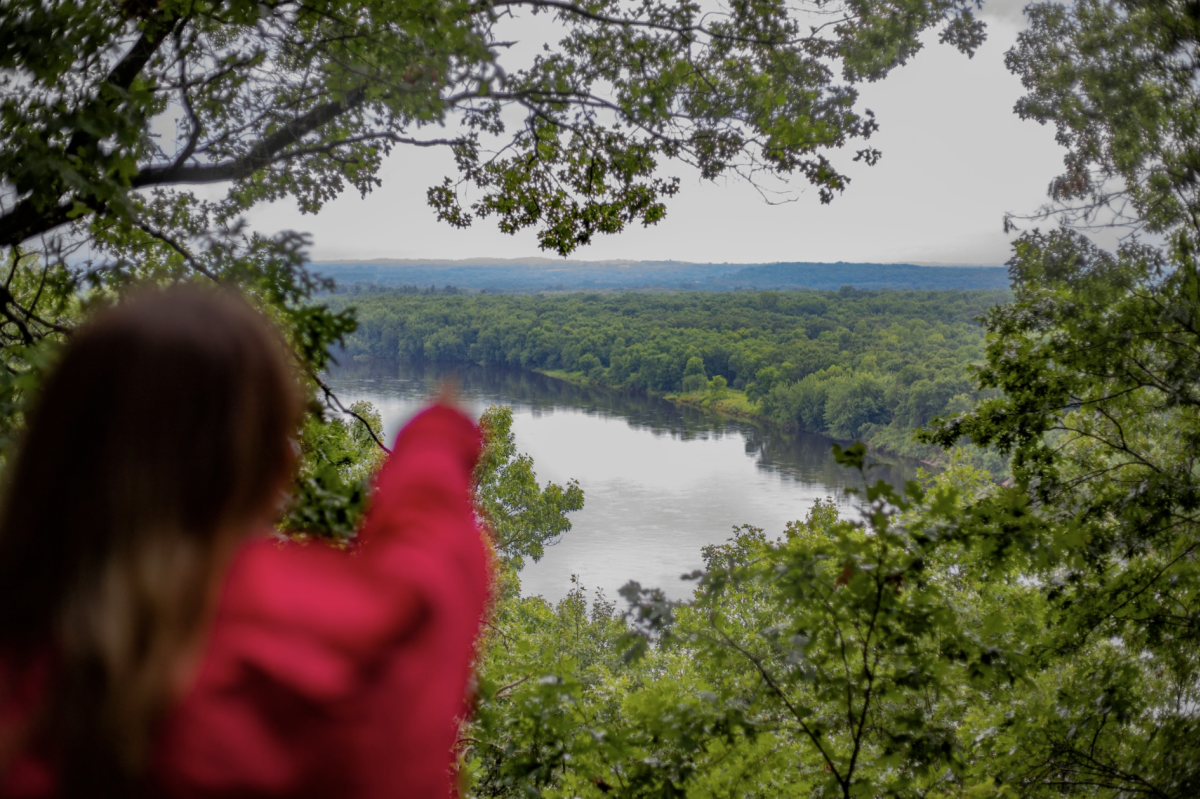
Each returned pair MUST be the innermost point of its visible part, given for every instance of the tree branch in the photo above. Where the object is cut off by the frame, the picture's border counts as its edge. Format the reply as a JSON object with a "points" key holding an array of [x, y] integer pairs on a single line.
{"points": [[259, 156], [30, 216], [6, 300], [179, 248], [332, 401], [811, 734]]}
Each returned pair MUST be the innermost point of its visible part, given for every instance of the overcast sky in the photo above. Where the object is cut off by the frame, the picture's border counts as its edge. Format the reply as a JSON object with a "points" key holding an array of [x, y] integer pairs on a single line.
{"points": [[955, 159]]}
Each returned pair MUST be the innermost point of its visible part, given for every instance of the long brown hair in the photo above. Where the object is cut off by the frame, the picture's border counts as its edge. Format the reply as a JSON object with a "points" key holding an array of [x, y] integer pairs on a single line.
{"points": [[163, 429]]}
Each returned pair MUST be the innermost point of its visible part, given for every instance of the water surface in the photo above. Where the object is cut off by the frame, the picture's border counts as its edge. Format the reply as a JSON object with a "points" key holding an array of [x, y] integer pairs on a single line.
{"points": [[660, 481]]}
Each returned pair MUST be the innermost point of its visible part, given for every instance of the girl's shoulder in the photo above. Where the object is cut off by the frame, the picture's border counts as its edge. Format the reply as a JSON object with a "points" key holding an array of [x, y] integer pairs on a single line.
{"points": [[25, 770]]}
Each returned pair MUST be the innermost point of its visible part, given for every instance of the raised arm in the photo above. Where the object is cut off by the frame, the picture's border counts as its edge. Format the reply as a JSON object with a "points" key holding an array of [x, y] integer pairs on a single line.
{"points": [[344, 652], [423, 489], [419, 548]]}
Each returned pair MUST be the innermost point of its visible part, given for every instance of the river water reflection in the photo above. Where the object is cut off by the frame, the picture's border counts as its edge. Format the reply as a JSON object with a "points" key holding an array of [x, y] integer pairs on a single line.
{"points": [[660, 481]]}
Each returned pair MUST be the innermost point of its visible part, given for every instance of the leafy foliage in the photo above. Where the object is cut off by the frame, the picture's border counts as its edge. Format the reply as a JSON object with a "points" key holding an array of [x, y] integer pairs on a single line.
{"points": [[966, 640], [523, 517], [1116, 79], [303, 100], [839, 660], [338, 459], [1097, 362], [1097, 367], [1096, 359]]}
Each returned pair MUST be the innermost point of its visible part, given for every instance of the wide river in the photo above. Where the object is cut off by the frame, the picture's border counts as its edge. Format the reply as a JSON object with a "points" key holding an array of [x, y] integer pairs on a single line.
{"points": [[660, 481]]}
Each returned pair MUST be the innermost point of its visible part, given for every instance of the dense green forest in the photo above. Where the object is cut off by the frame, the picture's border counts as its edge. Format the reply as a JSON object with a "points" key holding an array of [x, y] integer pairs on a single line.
{"points": [[960, 639], [872, 365]]}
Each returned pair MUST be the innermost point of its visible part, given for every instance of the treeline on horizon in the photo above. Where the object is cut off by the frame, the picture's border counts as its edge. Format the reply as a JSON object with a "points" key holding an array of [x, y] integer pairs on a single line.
{"points": [[851, 364], [539, 275]]}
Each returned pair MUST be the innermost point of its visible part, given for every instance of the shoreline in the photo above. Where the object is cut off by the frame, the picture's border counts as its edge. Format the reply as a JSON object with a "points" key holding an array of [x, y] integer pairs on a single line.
{"points": [[727, 407]]}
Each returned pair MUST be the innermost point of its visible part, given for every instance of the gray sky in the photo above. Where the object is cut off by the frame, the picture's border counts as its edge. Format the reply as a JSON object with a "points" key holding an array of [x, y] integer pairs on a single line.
{"points": [[955, 159]]}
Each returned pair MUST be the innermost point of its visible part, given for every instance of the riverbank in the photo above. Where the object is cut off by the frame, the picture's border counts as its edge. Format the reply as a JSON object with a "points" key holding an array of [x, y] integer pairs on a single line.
{"points": [[661, 480], [733, 403]]}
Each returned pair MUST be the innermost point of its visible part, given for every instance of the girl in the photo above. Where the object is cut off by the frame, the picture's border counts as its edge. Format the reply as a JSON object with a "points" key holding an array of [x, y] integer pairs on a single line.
{"points": [[155, 640]]}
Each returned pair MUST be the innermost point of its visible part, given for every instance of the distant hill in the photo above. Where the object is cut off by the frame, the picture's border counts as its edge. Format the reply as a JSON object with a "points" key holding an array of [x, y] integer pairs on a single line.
{"points": [[545, 274]]}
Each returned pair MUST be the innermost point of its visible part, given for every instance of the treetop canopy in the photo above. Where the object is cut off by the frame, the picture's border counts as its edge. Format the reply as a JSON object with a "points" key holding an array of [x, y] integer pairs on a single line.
{"points": [[303, 99]]}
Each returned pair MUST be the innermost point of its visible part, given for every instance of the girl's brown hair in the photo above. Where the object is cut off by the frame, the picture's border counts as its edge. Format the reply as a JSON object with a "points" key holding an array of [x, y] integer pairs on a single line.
{"points": [[162, 432]]}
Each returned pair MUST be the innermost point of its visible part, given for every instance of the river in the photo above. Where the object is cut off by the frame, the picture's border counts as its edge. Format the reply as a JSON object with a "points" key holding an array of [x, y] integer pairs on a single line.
{"points": [[660, 481]]}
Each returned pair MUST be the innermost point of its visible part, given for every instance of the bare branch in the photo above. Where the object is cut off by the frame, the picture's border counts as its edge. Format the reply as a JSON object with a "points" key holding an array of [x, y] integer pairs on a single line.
{"points": [[332, 401]]}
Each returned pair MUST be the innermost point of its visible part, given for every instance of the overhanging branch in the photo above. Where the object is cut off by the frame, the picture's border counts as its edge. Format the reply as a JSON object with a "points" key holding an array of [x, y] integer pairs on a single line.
{"points": [[260, 155]]}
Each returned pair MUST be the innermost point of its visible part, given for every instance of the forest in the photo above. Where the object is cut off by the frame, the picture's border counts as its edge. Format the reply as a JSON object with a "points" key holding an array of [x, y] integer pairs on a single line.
{"points": [[960, 637], [851, 364], [511, 276]]}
